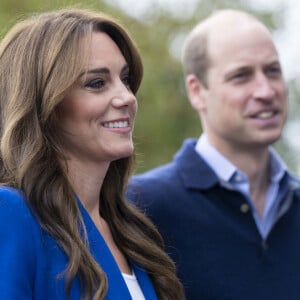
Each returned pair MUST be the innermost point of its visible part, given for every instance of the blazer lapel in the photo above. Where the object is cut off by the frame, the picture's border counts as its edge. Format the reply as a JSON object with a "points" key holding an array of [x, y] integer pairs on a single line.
{"points": [[144, 282], [117, 288]]}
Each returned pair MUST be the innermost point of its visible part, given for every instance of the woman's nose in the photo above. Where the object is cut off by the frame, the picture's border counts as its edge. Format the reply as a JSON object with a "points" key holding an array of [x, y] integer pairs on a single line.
{"points": [[124, 97]]}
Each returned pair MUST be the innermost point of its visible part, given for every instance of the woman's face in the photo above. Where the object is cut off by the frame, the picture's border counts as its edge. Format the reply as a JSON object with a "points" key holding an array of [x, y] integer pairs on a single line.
{"points": [[97, 115]]}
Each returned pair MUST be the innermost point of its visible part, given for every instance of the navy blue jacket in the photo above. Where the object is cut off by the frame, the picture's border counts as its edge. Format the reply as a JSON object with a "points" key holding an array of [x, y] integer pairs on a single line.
{"points": [[213, 239]]}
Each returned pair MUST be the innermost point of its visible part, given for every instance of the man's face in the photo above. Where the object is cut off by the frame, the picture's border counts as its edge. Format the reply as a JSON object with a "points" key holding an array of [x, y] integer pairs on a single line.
{"points": [[246, 96]]}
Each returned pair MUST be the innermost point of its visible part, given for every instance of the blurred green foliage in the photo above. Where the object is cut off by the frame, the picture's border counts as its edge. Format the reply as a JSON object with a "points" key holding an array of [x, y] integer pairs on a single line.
{"points": [[165, 117]]}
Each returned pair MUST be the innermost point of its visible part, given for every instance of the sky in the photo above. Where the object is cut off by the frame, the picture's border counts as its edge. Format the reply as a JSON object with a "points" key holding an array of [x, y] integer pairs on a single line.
{"points": [[286, 37]]}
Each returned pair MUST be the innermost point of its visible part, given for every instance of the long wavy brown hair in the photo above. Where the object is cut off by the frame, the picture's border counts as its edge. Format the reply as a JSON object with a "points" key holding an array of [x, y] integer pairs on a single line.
{"points": [[40, 60]]}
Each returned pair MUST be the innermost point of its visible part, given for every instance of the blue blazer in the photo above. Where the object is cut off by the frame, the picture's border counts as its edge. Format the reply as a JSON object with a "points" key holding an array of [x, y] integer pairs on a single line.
{"points": [[31, 260]]}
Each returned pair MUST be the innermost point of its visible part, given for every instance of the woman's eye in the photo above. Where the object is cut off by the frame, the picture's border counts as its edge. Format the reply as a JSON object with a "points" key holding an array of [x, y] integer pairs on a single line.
{"points": [[126, 80], [95, 84]]}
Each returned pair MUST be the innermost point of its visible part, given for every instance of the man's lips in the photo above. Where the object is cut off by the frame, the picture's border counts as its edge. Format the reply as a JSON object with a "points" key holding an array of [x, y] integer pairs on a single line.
{"points": [[263, 115]]}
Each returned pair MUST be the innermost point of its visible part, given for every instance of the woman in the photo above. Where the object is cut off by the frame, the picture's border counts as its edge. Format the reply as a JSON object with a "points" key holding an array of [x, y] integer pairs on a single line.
{"points": [[67, 86]]}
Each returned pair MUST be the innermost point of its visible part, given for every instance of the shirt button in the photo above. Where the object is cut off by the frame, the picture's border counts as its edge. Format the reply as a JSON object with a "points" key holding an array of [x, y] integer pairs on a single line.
{"points": [[238, 178], [244, 208]]}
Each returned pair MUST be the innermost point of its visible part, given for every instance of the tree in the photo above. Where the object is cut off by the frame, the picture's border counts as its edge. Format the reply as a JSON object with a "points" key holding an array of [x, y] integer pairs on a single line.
{"points": [[164, 118]]}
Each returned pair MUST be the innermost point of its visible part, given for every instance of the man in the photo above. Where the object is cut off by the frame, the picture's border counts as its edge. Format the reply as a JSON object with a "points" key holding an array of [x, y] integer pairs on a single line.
{"points": [[227, 207]]}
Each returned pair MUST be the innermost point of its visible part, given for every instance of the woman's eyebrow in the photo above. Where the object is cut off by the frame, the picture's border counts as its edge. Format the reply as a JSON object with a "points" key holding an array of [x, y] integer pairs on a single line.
{"points": [[125, 68], [97, 70], [103, 70]]}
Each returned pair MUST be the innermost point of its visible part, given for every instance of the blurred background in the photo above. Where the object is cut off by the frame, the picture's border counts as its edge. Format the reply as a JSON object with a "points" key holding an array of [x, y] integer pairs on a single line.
{"points": [[159, 28]]}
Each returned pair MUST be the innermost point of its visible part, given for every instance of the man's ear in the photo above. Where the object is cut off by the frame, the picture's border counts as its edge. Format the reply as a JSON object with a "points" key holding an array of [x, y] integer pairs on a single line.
{"points": [[196, 92]]}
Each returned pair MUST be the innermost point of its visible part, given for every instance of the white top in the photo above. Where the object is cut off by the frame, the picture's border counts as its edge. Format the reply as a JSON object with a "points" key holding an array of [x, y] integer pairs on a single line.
{"points": [[133, 287]]}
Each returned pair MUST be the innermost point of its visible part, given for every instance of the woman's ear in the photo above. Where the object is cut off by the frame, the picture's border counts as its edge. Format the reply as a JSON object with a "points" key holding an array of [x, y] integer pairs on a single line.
{"points": [[196, 92]]}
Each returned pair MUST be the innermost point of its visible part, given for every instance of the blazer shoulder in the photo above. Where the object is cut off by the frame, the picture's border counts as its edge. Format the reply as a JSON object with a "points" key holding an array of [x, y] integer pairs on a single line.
{"points": [[19, 234], [14, 211], [10, 192], [12, 199]]}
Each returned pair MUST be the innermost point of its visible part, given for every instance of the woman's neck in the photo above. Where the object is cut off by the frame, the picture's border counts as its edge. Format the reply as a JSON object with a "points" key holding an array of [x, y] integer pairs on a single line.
{"points": [[86, 180]]}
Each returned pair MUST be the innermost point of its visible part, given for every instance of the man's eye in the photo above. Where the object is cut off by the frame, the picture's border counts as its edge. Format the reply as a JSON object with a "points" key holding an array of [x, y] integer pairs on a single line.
{"points": [[274, 71], [240, 75], [95, 84]]}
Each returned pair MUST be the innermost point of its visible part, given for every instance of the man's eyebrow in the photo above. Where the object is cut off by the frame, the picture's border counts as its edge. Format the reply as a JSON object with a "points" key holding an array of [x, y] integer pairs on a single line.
{"points": [[273, 63], [240, 68]]}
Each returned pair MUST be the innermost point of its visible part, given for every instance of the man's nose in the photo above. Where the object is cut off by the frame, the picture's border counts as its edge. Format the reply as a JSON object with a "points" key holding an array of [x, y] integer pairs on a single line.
{"points": [[263, 88]]}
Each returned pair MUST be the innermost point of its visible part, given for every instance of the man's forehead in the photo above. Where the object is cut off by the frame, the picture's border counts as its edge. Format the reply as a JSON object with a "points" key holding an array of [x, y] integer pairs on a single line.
{"points": [[222, 17], [247, 37]]}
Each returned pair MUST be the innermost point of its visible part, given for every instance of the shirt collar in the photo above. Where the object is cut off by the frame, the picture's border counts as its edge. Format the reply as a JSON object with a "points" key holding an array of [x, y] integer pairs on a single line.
{"points": [[278, 166], [225, 170]]}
